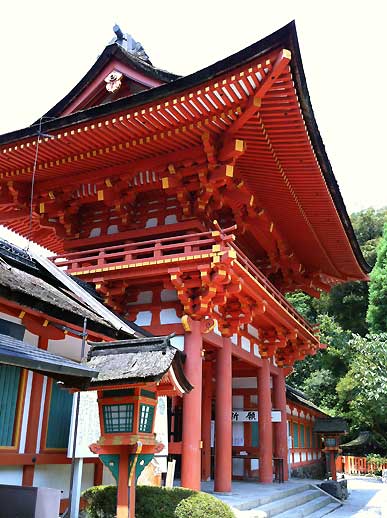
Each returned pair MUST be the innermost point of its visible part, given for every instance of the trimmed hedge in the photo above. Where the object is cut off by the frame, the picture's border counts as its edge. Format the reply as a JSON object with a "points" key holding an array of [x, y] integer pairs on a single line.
{"points": [[202, 505], [157, 502]]}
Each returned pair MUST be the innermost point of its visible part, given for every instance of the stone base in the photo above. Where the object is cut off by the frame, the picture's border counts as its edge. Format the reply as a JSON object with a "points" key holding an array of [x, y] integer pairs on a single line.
{"points": [[338, 489], [315, 470]]}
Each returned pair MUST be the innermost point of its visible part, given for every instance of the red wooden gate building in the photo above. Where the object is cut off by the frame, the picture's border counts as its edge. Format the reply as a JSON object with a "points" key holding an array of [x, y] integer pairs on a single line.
{"points": [[194, 204]]}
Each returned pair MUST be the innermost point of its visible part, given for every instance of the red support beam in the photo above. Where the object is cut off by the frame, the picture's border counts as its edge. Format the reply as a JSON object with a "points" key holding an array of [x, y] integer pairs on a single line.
{"points": [[281, 429], [98, 473], [223, 418], [206, 420], [265, 424], [123, 489], [192, 408]]}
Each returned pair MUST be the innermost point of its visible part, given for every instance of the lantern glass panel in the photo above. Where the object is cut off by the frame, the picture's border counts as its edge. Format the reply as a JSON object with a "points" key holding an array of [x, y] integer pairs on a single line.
{"points": [[118, 418], [330, 441], [146, 418]]}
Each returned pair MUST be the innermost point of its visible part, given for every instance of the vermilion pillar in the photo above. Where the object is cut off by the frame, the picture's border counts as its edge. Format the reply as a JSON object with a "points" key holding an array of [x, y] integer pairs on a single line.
{"points": [[206, 420], [192, 409], [223, 416], [281, 429], [123, 489], [264, 424], [33, 419]]}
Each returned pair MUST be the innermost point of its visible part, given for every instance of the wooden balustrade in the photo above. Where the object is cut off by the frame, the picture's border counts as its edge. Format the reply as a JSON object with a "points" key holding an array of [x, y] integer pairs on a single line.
{"points": [[352, 465], [276, 294], [136, 251], [188, 245]]}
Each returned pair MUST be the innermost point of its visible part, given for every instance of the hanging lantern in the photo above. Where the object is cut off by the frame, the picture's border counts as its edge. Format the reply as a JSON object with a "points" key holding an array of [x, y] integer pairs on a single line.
{"points": [[128, 414]]}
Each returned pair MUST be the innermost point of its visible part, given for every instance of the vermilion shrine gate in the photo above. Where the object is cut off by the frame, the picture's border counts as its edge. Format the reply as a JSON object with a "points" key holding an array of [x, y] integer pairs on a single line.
{"points": [[194, 204]]}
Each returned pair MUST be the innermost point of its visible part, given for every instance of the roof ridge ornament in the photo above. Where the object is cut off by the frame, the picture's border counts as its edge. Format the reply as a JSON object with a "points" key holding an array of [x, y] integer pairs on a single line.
{"points": [[128, 43]]}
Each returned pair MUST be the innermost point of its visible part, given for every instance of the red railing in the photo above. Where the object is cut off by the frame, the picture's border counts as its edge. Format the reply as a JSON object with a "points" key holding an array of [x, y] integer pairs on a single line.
{"points": [[269, 287], [352, 465], [190, 245], [138, 251]]}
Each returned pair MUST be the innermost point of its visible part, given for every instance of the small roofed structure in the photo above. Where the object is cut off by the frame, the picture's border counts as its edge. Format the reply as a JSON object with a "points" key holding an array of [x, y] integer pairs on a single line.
{"points": [[364, 443], [143, 360], [330, 429], [21, 354], [330, 425]]}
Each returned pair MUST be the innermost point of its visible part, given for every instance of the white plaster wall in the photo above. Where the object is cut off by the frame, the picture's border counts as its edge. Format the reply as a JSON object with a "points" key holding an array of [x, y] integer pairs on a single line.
{"points": [[237, 434], [244, 383], [144, 318], [253, 331], [237, 402], [237, 428], [216, 328], [237, 467], [256, 351], [169, 316], [245, 343], [31, 338], [69, 347], [168, 295], [57, 476], [144, 297], [10, 318], [12, 475]]}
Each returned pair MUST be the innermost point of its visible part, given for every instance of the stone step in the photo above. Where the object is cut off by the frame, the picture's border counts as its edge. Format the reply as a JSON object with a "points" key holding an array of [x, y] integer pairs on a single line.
{"points": [[325, 510], [309, 508], [253, 503], [282, 505]]}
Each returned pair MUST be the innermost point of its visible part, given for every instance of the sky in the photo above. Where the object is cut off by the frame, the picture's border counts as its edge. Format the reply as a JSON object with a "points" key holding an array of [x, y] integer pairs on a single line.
{"points": [[47, 46]]}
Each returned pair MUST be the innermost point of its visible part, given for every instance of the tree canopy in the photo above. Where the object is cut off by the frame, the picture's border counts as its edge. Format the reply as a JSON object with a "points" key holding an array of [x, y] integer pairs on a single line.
{"points": [[377, 308], [349, 377]]}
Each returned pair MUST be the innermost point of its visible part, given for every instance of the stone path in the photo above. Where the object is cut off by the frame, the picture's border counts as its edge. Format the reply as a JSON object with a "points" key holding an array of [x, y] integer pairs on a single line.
{"points": [[368, 499]]}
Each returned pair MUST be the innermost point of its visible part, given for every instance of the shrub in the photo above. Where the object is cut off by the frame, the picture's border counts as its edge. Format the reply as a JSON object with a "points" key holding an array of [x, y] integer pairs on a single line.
{"points": [[157, 502], [202, 505], [101, 501]]}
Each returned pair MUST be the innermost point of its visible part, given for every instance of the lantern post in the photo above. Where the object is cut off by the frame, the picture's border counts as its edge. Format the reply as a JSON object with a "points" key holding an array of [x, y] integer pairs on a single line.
{"points": [[131, 375], [127, 442]]}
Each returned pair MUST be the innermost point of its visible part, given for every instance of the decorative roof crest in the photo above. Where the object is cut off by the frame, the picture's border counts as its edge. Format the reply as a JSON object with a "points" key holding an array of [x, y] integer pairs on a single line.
{"points": [[128, 43]]}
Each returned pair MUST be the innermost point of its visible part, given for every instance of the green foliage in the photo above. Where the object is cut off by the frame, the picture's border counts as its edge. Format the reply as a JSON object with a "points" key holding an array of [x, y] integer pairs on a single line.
{"points": [[377, 309], [157, 502], [349, 377], [101, 501], [318, 375], [349, 302], [376, 459], [368, 227], [202, 505], [364, 387]]}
